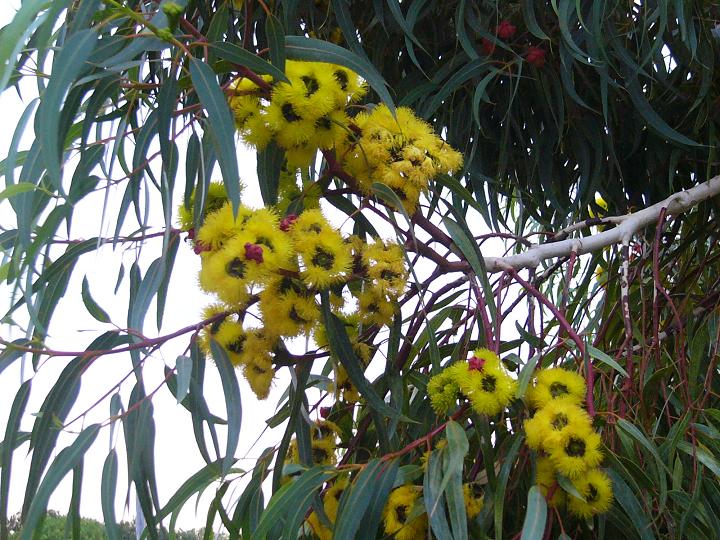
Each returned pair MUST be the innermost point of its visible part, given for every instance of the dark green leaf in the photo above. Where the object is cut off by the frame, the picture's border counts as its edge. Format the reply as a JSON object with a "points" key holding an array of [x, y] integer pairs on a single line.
{"points": [[68, 64], [535, 516], [11, 435], [146, 290], [288, 498], [276, 41], [231, 389], [242, 57], [269, 165], [107, 495], [66, 460], [183, 366], [91, 305], [342, 348], [627, 501], [219, 125], [301, 48]]}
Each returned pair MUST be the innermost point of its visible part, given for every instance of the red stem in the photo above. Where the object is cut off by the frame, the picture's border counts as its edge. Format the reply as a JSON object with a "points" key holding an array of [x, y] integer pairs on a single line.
{"points": [[564, 324]]}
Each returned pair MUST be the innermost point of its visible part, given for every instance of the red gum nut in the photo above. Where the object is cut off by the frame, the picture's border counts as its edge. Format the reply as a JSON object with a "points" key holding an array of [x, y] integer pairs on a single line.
{"points": [[535, 56], [506, 30], [253, 252], [191, 233], [325, 411], [476, 363], [287, 222]]}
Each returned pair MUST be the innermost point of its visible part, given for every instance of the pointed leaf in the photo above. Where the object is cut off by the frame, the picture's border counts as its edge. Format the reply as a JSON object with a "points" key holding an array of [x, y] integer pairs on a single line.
{"points": [[219, 125], [66, 460], [535, 516]]}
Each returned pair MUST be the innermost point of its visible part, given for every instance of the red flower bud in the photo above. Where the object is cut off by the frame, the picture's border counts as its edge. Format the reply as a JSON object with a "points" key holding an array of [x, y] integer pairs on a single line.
{"points": [[488, 47], [536, 56], [288, 222], [325, 411], [253, 252], [191, 233], [476, 363], [505, 30]]}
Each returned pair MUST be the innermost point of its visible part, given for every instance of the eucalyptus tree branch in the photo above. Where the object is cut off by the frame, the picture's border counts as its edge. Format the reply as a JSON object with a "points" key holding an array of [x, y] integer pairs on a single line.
{"points": [[627, 226]]}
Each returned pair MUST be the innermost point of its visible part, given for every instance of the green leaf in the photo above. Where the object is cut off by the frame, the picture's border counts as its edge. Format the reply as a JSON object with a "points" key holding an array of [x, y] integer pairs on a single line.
{"points": [[502, 480], [243, 57], [66, 460], [170, 252], [73, 516], [301, 48], [702, 455], [474, 68], [525, 375], [183, 366], [528, 11], [342, 349], [535, 516], [145, 292], [566, 484], [219, 125], [626, 500], [68, 64], [54, 410], [389, 196], [433, 496], [195, 484], [640, 437], [362, 492], [470, 251], [597, 354], [453, 460], [370, 524], [231, 389], [289, 497], [91, 305], [653, 119], [269, 165], [276, 41], [11, 434], [15, 34], [108, 485], [16, 189]]}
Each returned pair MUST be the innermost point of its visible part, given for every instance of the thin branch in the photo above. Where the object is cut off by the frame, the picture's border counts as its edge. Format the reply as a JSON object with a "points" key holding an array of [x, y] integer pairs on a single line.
{"points": [[627, 226]]}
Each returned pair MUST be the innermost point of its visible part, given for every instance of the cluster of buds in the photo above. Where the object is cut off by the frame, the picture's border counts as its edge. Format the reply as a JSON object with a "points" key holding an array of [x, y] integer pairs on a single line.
{"points": [[506, 30]]}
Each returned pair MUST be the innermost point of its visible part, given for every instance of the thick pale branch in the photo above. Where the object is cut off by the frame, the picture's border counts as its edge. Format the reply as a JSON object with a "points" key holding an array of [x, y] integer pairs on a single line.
{"points": [[627, 226]]}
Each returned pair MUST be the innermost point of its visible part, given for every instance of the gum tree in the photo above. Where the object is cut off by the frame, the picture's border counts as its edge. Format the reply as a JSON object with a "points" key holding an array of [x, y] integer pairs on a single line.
{"points": [[485, 260]]}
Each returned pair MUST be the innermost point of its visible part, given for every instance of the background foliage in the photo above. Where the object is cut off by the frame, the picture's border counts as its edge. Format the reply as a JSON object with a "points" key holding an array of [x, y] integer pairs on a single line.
{"points": [[625, 104]]}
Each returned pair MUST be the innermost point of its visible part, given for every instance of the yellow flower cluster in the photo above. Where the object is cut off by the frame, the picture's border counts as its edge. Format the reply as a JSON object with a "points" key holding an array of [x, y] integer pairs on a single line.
{"points": [[323, 437], [254, 257], [562, 432], [404, 517], [302, 115], [482, 380], [401, 152], [312, 112], [331, 502]]}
